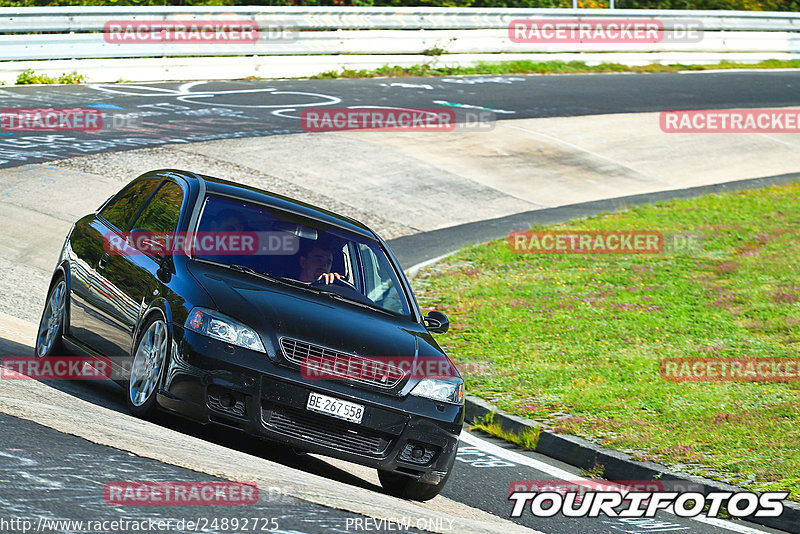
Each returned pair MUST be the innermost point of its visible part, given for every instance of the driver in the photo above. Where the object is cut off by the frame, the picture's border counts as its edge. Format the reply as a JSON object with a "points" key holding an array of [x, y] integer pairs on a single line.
{"points": [[315, 265]]}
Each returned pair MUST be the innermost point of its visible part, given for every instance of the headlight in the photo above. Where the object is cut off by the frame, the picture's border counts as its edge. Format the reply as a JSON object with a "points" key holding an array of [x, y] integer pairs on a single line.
{"points": [[451, 391], [219, 326]]}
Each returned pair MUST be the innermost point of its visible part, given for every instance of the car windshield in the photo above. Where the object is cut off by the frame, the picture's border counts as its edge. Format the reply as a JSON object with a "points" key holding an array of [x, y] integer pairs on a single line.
{"points": [[298, 250]]}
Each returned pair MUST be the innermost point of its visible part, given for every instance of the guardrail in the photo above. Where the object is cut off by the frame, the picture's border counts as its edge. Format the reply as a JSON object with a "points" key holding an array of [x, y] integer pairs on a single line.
{"points": [[445, 35], [75, 19]]}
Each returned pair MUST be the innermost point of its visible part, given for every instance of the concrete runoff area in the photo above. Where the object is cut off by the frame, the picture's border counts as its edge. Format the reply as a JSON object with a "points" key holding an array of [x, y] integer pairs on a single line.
{"points": [[567, 160]]}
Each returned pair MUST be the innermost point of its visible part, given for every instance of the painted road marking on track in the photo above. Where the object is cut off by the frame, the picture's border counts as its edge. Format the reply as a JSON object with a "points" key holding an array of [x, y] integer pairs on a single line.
{"points": [[644, 524], [475, 458], [505, 454], [186, 93], [408, 85], [470, 106], [494, 79], [518, 458]]}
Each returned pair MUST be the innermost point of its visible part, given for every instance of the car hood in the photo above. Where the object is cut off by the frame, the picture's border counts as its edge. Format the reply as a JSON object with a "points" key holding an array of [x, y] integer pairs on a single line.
{"points": [[276, 310]]}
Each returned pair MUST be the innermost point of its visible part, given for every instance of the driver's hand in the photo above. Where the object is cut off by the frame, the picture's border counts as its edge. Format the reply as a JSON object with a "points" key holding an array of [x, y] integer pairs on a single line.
{"points": [[329, 278]]}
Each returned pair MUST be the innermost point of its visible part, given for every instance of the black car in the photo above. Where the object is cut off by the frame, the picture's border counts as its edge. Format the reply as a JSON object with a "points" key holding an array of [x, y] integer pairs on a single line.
{"points": [[262, 342]]}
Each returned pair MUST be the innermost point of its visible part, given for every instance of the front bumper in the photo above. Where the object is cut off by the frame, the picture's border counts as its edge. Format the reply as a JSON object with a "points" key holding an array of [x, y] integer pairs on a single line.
{"points": [[212, 382]]}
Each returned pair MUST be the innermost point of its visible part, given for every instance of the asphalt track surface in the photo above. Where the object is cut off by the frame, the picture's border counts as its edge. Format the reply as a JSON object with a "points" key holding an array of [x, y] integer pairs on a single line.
{"points": [[142, 115], [179, 113]]}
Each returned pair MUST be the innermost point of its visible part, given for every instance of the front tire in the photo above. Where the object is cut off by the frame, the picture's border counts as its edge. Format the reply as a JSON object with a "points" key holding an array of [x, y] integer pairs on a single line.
{"points": [[408, 488], [147, 364], [51, 325]]}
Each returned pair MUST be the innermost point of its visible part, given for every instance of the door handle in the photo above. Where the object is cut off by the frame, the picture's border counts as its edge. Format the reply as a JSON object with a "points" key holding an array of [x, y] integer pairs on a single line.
{"points": [[102, 263]]}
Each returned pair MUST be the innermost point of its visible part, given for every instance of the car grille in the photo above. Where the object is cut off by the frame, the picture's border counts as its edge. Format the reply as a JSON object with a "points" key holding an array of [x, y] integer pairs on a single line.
{"points": [[374, 372], [324, 430]]}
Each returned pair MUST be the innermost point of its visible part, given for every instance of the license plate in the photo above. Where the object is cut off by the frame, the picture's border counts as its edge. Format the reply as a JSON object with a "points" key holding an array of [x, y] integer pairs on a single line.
{"points": [[349, 411]]}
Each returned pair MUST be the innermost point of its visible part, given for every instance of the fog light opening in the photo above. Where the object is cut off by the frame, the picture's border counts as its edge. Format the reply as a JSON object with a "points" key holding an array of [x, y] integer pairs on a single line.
{"points": [[418, 453], [227, 400]]}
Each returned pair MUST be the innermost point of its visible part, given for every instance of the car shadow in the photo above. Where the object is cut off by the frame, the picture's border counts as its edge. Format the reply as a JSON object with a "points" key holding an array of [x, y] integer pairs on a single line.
{"points": [[12, 348], [110, 395]]}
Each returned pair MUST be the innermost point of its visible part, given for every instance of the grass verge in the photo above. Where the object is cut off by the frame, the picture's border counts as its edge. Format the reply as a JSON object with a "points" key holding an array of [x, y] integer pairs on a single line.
{"points": [[527, 439], [575, 341], [544, 67], [29, 76]]}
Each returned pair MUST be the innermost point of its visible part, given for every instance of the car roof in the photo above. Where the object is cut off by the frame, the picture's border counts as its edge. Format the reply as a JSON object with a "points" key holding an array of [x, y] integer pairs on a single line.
{"points": [[254, 194]]}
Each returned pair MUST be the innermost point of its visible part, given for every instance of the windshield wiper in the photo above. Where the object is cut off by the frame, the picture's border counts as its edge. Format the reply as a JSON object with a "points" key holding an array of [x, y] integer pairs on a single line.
{"points": [[301, 285], [270, 277], [335, 295], [240, 268]]}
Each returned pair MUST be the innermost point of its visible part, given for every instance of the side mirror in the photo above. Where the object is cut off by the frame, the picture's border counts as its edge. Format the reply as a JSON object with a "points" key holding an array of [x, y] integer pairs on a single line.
{"points": [[149, 243], [436, 322], [143, 241]]}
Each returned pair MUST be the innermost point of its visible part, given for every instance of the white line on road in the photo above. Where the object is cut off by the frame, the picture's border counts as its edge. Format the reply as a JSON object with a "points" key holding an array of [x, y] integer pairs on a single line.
{"points": [[561, 474]]}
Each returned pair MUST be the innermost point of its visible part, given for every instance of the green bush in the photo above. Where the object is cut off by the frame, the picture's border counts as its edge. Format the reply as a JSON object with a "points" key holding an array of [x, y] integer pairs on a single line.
{"points": [[71, 78], [28, 76]]}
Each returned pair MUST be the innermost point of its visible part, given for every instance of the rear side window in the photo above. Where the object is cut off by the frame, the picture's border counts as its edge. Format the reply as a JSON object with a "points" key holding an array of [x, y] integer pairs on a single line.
{"points": [[163, 212], [121, 210]]}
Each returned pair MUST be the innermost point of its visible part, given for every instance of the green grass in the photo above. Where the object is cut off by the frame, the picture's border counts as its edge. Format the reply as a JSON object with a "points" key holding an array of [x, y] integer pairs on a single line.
{"points": [[574, 341], [29, 76], [544, 67], [527, 439]]}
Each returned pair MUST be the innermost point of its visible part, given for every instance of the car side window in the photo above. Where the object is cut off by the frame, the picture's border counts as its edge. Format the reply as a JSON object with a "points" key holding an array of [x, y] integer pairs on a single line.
{"points": [[378, 276], [121, 209], [163, 212]]}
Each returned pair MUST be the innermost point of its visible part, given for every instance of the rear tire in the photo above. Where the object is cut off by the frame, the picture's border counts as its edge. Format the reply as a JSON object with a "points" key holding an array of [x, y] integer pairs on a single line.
{"points": [[409, 488], [51, 325], [147, 366]]}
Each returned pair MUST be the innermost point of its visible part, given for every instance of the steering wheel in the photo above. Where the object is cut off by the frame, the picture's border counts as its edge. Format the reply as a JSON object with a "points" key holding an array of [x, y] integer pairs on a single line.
{"points": [[336, 281]]}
